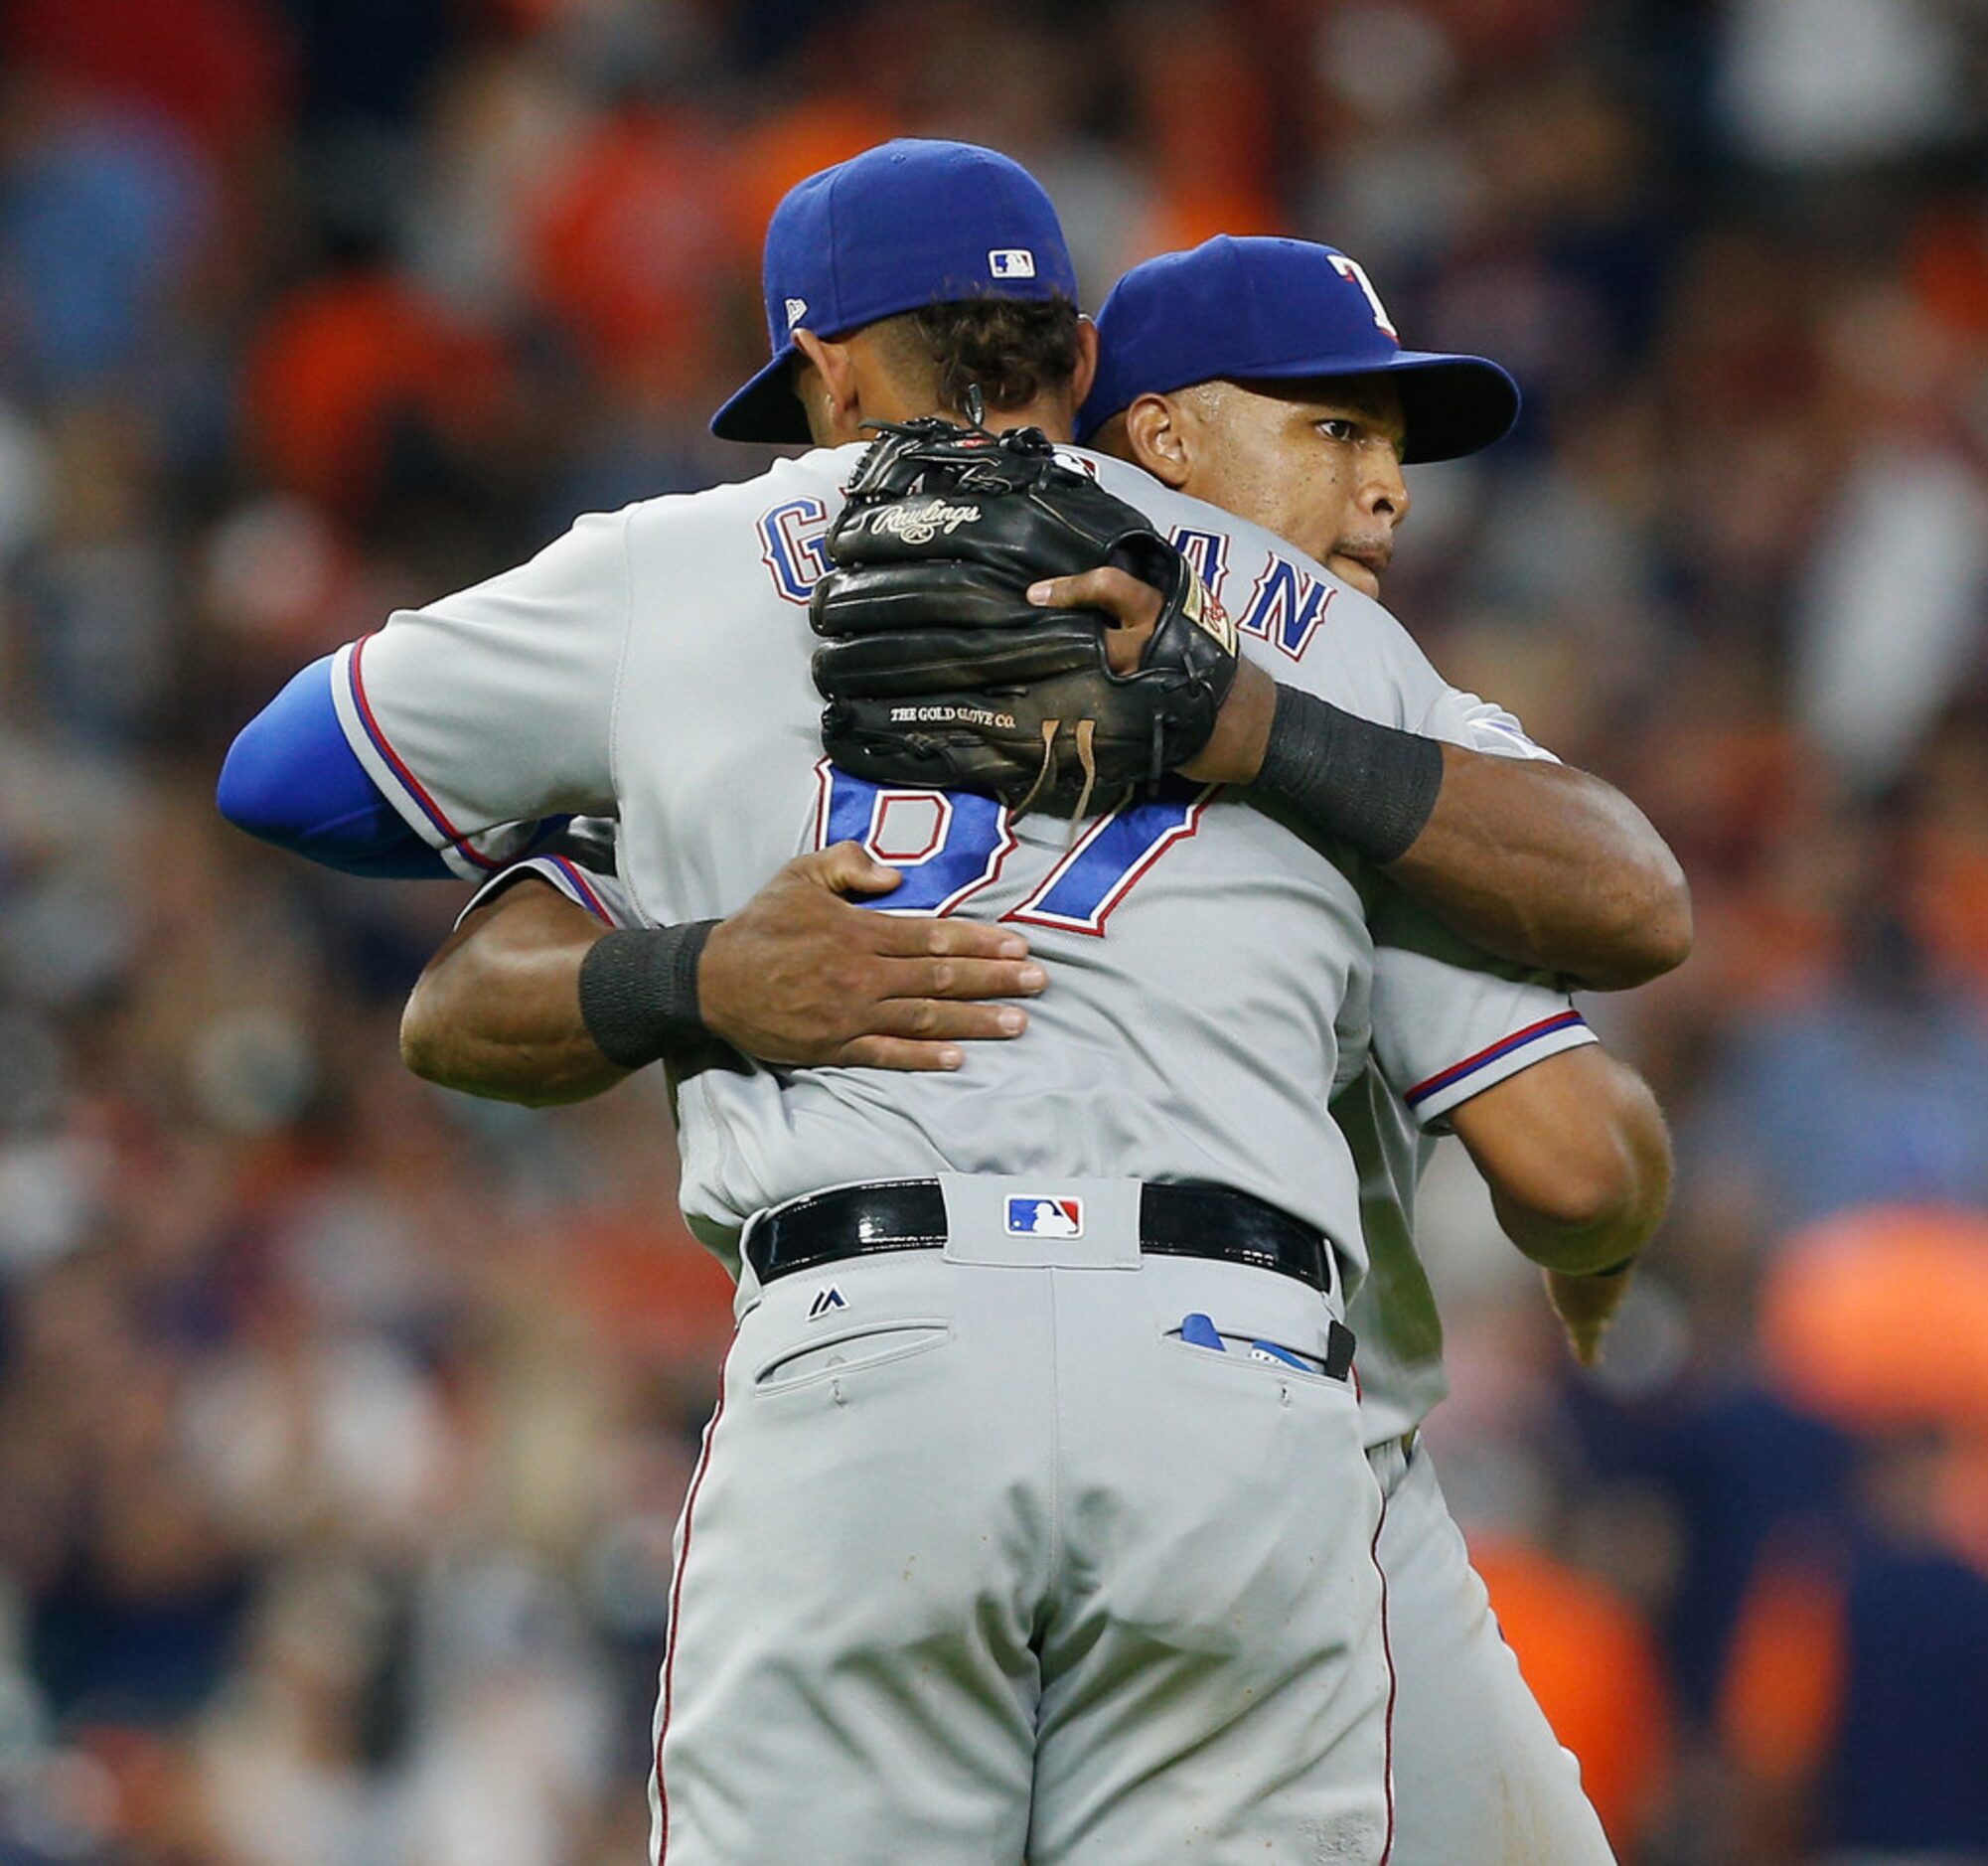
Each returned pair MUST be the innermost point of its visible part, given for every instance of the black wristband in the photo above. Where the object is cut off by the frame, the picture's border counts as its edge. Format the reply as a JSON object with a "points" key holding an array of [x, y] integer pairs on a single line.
{"points": [[639, 991], [1364, 784]]}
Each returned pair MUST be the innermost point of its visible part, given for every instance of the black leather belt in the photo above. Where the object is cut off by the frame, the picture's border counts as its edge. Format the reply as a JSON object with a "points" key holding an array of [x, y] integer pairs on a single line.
{"points": [[910, 1214]]}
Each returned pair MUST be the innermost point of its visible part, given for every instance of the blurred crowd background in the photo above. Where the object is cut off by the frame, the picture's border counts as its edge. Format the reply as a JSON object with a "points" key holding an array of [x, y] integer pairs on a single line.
{"points": [[343, 1421]]}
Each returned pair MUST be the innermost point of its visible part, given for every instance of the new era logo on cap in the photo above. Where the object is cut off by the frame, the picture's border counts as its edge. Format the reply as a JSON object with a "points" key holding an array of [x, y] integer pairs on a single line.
{"points": [[797, 309], [1041, 1216], [1010, 263]]}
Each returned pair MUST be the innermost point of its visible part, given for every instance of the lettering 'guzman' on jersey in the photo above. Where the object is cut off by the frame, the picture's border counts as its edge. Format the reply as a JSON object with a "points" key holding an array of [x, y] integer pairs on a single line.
{"points": [[1212, 976]]}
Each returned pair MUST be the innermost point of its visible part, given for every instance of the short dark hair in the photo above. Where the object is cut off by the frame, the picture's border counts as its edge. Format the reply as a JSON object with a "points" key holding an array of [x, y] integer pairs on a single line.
{"points": [[1016, 349]]}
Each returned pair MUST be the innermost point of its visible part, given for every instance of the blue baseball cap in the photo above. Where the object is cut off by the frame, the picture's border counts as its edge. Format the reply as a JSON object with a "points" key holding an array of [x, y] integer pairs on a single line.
{"points": [[903, 225], [1259, 310]]}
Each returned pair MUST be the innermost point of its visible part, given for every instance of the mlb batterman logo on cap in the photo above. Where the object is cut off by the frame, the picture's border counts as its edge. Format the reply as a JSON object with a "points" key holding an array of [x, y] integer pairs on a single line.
{"points": [[903, 225], [1283, 310]]}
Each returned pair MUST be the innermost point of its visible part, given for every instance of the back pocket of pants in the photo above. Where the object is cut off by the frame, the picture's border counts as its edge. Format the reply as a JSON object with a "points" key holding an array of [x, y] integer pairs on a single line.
{"points": [[854, 1351], [1249, 1355]]}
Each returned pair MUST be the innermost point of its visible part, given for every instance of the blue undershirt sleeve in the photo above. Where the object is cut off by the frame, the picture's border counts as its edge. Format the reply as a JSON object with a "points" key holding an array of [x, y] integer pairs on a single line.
{"points": [[290, 778]]}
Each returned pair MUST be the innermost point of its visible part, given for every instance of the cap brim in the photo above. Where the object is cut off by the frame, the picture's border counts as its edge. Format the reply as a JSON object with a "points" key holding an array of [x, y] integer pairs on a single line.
{"points": [[766, 409], [1453, 405]]}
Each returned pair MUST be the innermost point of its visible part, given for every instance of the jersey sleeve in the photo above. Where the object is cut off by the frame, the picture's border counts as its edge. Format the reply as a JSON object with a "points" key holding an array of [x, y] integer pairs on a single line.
{"points": [[1358, 657], [496, 706], [580, 863], [1480, 724], [1448, 1022]]}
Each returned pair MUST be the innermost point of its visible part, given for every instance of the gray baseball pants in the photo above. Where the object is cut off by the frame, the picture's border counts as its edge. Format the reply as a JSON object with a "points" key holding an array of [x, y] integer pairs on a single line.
{"points": [[1480, 1780], [982, 1563]]}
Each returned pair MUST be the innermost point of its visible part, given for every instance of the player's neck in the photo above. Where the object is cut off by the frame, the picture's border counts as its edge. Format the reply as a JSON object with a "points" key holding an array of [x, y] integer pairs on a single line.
{"points": [[1052, 413], [1048, 412]]}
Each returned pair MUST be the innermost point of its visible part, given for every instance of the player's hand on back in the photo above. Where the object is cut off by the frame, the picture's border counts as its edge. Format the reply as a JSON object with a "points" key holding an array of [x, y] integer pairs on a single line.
{"points": [[800, 975]]}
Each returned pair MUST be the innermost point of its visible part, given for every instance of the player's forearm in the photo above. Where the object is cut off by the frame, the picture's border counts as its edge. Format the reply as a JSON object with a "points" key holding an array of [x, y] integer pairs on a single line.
{"points": [[531, 1001], [1532, 862], [1550, 867], [1576, 1159], [497, 1010]]}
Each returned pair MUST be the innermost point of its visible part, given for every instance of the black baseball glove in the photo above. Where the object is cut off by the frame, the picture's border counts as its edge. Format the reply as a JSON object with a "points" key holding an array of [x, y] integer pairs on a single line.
{"points": [[941, 674]]}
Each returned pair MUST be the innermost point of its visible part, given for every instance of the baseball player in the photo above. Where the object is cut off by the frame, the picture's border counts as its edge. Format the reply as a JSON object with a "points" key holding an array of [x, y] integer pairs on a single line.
{"points": [[977, 1631], [1478, 1773], [1265, 377]]}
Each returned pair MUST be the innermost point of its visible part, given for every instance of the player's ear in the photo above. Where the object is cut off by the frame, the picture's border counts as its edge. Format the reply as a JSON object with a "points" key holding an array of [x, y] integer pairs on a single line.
{"points": [[1086, 372], [825, 379], [1156, 438]]}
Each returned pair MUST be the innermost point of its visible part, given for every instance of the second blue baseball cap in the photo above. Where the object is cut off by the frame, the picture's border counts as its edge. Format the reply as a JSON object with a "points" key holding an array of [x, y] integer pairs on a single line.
{"points": [[905, 224], [1260, 310]]}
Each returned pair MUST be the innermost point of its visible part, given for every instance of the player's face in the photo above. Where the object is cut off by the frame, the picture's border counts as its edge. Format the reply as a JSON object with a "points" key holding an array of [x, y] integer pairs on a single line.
{"points": [[1316, 462]]}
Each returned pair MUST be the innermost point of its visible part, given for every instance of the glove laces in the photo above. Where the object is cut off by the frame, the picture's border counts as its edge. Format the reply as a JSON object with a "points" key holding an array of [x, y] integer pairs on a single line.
{"points": [[1084, 734]]}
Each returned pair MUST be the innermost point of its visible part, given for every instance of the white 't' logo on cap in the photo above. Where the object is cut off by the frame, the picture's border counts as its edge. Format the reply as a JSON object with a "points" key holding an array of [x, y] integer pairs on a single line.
{"points": [[797, 309], [1010, 263], [1352, 269]]}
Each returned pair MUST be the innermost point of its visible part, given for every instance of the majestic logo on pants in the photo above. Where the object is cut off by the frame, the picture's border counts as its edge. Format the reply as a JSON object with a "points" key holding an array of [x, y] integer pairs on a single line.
{"points": [[1040, 1216]]}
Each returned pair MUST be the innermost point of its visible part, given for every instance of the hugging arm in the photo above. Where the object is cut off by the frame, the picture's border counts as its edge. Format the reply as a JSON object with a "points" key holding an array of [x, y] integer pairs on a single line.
{"points": [[1577, 1158], [1528, 860], [1568, 1139], [529, 1001]]}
